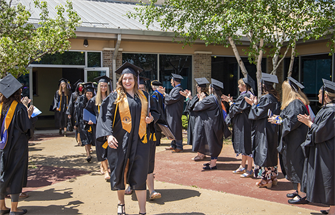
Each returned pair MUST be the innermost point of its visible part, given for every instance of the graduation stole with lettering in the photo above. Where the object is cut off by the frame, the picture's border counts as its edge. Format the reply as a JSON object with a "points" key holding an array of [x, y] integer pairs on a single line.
{"points": [[125, 116], [60, 103], [6, 122]]}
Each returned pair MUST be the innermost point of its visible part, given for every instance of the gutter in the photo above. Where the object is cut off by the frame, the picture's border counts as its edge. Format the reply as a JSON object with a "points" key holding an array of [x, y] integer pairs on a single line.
{"points": [[116, 50]]}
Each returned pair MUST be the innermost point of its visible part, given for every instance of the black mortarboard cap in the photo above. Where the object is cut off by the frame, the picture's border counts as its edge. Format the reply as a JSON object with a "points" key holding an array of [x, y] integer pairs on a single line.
{"points": [[9, 85], [201, 82], [77, 82], [63, 80], [143, 79], [177, 77], [217, 84], [89, 87], [103, 78], [329, 86], [129, 68], [269, 78], [156, 83], [295, 84], [249, 81]]}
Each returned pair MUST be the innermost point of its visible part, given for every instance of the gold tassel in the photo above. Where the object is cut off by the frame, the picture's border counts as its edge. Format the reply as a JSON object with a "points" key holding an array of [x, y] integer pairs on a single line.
{"points": [[90, 130], [105, 145], [154, 137], [145, 140], [150, 136]]}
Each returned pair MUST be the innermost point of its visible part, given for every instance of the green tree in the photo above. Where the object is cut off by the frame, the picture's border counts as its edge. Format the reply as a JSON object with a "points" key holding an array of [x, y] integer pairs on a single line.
{"points": [[271, 27], [22, 42]]}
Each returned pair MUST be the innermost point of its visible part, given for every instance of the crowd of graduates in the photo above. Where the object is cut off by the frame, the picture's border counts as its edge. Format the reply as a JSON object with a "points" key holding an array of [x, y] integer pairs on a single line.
{"points": [[126, 123]]}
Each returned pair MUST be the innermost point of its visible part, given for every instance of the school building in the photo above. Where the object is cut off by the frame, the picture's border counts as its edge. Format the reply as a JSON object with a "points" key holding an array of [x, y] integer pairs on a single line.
{"points": [[107, 38]]}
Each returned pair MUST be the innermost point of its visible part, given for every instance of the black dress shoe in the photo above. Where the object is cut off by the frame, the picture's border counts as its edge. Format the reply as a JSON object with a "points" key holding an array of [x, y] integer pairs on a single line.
{"points": [[206, 164], [209, 168], [299, 201], [88, 159], [292, 195], [24, 211], [324, 211]]}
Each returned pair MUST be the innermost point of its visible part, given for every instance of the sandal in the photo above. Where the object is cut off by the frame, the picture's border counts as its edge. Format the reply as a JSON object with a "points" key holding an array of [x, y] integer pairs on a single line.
{"points": [[155, 195], [240, 170], [264, 183], [247, 174], [128, 191], [199, 158], [121, 209]]}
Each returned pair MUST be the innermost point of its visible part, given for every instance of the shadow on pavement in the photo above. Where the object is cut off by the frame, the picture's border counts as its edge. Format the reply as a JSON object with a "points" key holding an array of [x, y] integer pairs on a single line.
{"points": [[70, 208], [49, 195], [225, 166], [170, 195]]}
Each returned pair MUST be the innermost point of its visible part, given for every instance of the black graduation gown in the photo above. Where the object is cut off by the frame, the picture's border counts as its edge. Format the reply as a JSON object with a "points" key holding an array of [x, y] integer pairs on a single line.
{"points": [[14, 157], [238, 117], [130, 146], [70, 109], [61, 116], [101, 152], [191, 118], [86, 134], [293, 134], [209, 128], [174, 102], [159, 100], [318, 176], [264, 135]]}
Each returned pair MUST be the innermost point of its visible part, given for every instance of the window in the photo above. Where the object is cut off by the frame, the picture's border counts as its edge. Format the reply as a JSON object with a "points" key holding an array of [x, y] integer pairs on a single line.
{"points": [[313, 69], [24, 80], [94, 59], [226, 69], [295, 69], [67, 58], [177, 64], [148, 62]]}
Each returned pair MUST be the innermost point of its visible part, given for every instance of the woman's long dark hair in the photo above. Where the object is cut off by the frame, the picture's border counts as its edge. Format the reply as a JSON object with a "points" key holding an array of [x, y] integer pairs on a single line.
{"points": [[8, 101], [268, 88]]}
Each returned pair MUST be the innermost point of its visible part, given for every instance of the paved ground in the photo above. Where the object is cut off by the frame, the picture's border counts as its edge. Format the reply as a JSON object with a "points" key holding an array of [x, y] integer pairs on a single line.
{"points": [[62, 182]]}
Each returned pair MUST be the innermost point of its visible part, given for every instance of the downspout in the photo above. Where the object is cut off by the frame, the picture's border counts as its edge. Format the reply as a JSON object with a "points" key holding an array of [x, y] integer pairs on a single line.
{"points": [[116, 50]]}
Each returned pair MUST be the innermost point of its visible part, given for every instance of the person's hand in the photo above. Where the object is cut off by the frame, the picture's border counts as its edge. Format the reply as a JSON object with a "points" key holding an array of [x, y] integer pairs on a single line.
{"points": [[112, 142], [30, 110], [227, 98], [255, 100], [183, 93], [272, 119], [305, 119], [149, 119], [57, 109], [74, 127], [202, 96], [161, 89], [90, 122], [25, 101], [249, 100], [69, 116]]}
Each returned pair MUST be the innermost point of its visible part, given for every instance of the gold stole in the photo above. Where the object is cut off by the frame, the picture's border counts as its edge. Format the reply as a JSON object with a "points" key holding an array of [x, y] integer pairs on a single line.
{"points": [[125, 117], [9, 116]]}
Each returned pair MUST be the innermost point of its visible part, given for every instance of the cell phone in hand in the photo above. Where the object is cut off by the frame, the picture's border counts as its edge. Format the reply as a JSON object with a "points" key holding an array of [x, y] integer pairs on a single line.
{"points": [[270, 113]]}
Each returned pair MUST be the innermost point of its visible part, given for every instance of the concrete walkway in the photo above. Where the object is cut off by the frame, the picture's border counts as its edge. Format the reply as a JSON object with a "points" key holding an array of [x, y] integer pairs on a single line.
{"points": [[62, 182]]}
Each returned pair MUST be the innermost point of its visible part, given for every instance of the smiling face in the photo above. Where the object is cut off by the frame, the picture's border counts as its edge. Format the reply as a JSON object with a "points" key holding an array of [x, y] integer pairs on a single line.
{"points": [[103, 87], [89, 95], [63, 85], [128, 81]]}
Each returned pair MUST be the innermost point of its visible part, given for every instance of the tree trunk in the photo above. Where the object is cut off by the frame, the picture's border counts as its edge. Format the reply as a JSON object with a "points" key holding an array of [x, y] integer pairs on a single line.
{"points": [[238, 57], [259, 67], [289, 74]]}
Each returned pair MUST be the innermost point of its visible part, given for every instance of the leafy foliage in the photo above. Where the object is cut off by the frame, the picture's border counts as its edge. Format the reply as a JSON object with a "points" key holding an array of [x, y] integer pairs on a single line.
{"points": [[267, 25], [22, 42]]}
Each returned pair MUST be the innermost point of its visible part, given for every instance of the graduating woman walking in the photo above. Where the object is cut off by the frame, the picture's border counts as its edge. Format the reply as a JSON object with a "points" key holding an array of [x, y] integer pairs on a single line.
{"points": [[61, 103], [123, 121]]}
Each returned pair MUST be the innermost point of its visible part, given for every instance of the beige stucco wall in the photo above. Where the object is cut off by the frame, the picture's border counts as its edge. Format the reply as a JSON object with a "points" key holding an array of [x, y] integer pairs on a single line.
{"points": [[140, 46]]}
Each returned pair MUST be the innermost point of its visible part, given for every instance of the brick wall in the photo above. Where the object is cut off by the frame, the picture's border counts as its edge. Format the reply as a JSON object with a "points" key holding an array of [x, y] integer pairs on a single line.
{"points": [[108, 60], [202, 67]]}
